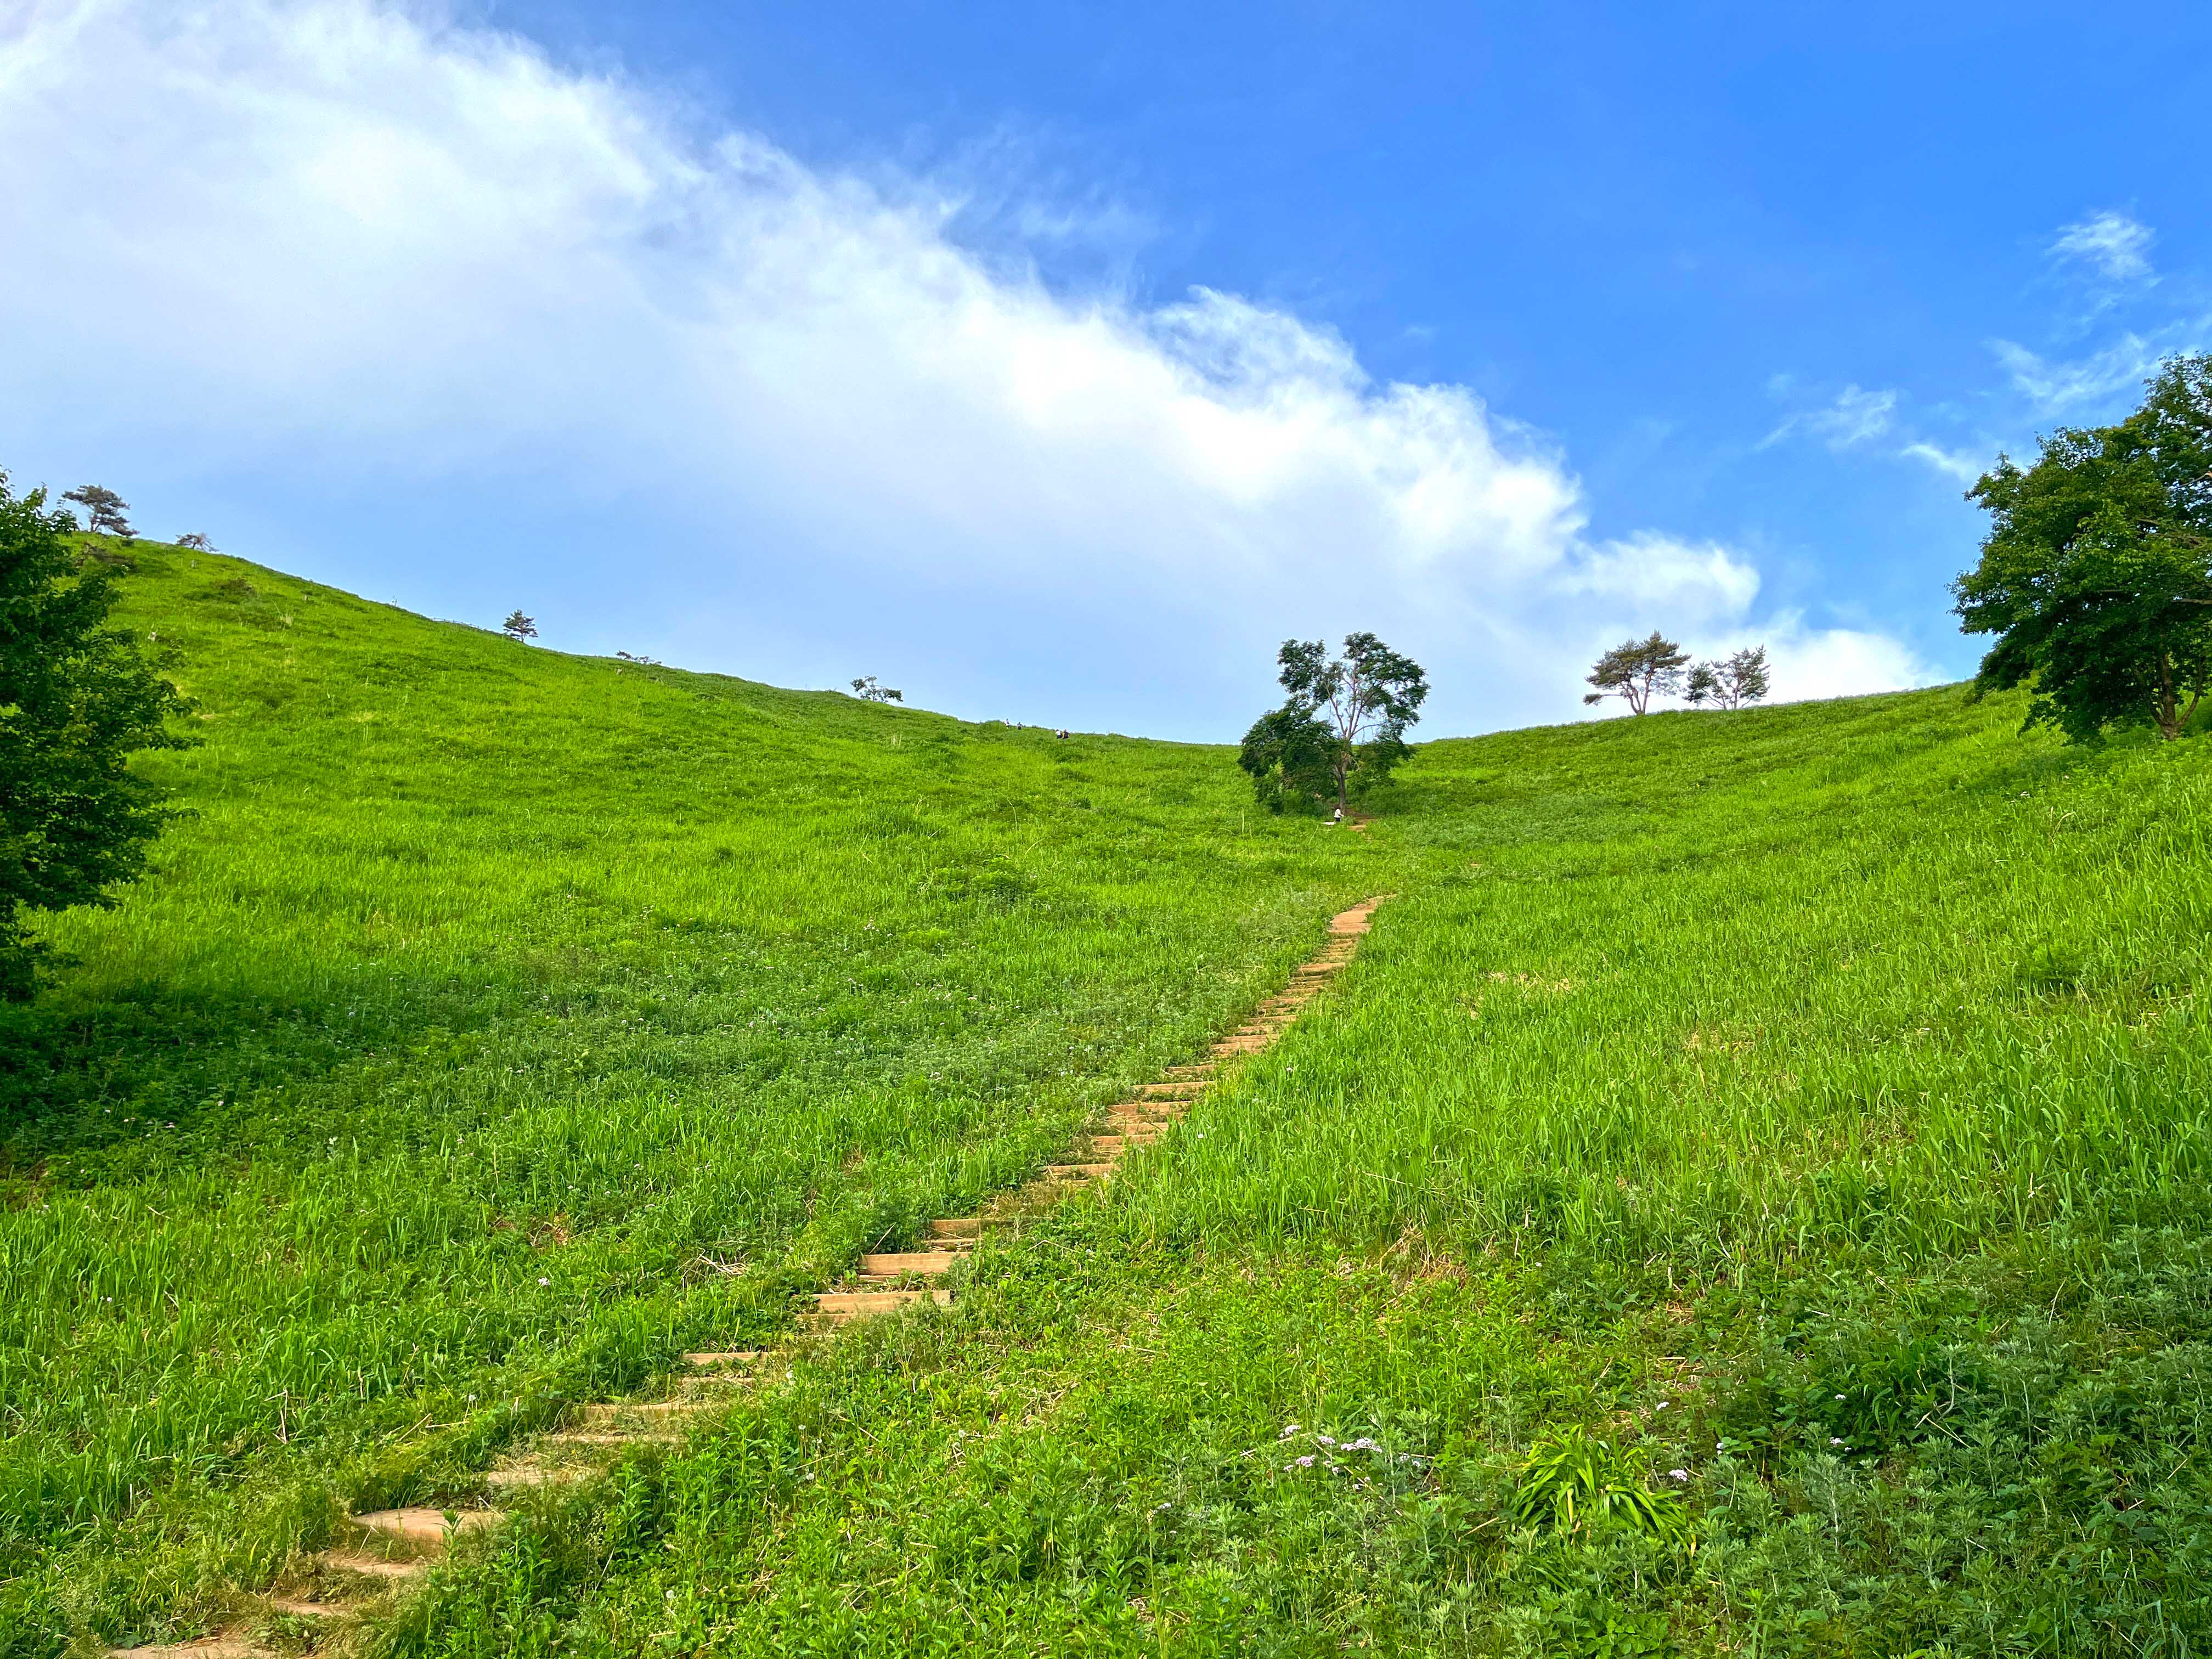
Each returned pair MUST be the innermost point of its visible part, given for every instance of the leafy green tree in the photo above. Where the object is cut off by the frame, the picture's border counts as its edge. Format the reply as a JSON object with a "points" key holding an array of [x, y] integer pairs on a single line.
{"points": [[1636, 671], [103, 510], [2096, 575], [1343, 719], [1287, 753], [867, 690], [1732, 681], [75, 699], [518, 626]]}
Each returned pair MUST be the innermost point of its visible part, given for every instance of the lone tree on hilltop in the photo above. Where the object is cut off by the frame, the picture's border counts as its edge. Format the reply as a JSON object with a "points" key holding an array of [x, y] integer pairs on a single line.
{"points": [[1343, 719], [867, 690], [1732, 681], [103, 510], [75, 699], [1638, 671], [519, 627], [2096, 575], [197, 542]]}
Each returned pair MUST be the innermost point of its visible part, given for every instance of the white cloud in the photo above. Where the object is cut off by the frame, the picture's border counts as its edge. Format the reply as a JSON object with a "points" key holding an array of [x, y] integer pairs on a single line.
{"points": [[353, 244], [1857, 416], [1960, 465], [1698, 586], [1837, 662], [2055, 388], [2113, 243]]}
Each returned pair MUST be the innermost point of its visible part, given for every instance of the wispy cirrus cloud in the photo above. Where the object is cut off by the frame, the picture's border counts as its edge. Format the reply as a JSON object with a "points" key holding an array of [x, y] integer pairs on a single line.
{"points": [[1857, 416], [1965, 465], [1861, 420], [2055, 387], [2113, 243]]}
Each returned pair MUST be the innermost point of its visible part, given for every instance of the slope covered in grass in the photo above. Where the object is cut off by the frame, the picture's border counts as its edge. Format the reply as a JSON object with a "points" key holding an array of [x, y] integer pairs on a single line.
{"points": [[1808, 1103], [1812, 1103], [499, 1024]]}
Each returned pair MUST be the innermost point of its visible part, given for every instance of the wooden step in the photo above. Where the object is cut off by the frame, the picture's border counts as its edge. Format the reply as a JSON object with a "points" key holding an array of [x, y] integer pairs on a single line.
{"points": [[667, 1436], [876, 1302], [298, 1607], [420, 1526], [204, 1647], [601, 1412], [893, 1263], [1170, 1090], [716, 1362], [963, 1226], [1186, 1073], [364, 1566], [524, 1476], [1079, 1171]]}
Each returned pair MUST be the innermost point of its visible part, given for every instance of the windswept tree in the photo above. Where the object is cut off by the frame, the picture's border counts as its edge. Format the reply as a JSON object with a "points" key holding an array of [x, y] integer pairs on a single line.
{"points": [[2096, 575], [76, 701], [519, 627], [197, 542], [1342, 724], [103, 510], [867, 690], [1638, 671], [1732, 681]]}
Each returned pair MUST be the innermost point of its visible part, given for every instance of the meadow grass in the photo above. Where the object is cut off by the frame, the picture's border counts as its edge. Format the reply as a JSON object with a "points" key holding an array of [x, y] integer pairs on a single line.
{"points": [[499, 1023], [1809, 1103]]}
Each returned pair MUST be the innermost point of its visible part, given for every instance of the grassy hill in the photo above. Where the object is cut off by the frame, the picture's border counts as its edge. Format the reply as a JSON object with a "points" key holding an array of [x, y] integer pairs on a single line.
{"points": [[1811, 1102]]}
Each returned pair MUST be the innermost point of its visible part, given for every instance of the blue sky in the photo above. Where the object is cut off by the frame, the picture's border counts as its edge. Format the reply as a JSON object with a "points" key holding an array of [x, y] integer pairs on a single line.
{"points": [[1053, 362]]}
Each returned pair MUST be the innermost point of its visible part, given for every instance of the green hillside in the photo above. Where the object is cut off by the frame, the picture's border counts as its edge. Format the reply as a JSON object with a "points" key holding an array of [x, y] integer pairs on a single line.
{"points": [[1811, 1102]]}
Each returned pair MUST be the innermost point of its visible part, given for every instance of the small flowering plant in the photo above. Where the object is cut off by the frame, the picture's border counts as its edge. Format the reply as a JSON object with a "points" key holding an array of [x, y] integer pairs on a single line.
{"points": [[1362, 1457]]}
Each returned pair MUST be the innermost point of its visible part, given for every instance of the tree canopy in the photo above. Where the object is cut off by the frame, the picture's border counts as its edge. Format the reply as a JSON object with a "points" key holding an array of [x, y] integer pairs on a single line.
{"points": [[518, 626], [1636, 671], [2096, 575], [1342, 723], [1732, 681], [75, 699], [103, 510]]}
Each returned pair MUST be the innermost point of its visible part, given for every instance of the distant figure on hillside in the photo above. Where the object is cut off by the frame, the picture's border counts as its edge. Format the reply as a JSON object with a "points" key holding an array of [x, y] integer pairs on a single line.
{"points": [[1062, 733], [1336, 818]]}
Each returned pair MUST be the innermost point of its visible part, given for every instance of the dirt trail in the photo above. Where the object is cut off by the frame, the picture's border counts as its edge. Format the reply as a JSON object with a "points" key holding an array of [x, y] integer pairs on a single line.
{"points": [[387, 1551]]}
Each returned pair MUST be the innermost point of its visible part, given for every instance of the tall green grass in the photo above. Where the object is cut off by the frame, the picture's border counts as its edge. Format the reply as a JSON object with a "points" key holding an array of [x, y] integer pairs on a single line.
{"points": [[1808, 1104], [499, 1023], [1876, 975]]}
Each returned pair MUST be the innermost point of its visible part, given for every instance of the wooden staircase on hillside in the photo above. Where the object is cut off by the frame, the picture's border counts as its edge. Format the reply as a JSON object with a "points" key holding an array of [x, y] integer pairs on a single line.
{"points": [[387, 1552]]}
